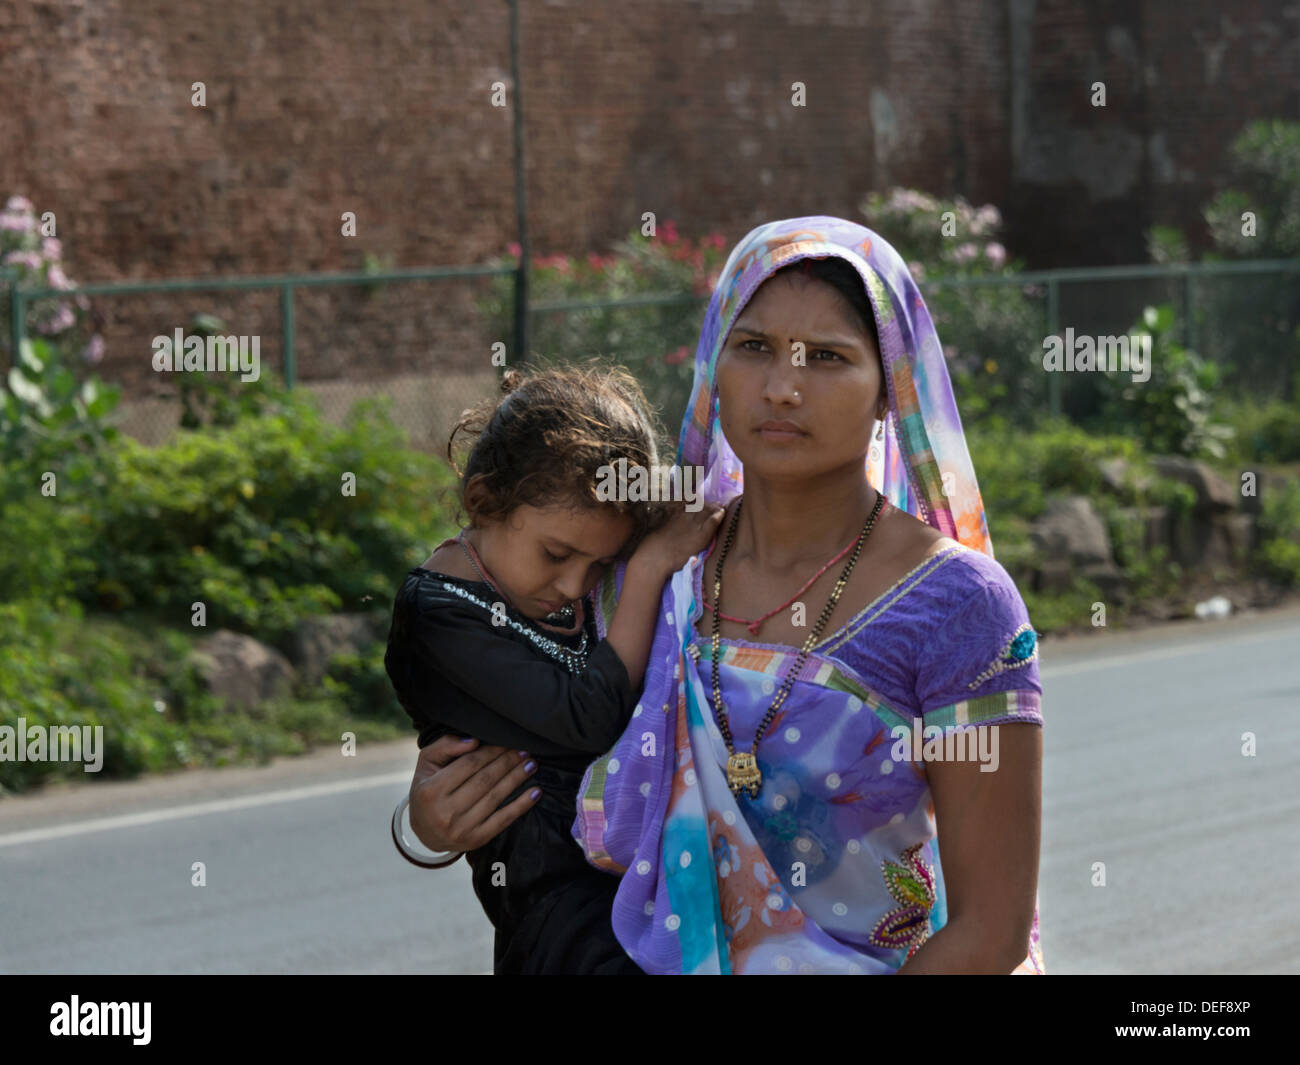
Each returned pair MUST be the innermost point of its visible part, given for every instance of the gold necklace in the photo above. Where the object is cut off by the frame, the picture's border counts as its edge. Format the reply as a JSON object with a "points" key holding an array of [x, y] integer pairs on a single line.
{"points": [[742, 767]]}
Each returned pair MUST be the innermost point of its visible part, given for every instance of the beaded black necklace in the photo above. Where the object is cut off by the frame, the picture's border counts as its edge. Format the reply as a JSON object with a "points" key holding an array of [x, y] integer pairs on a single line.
{"points": [[742, 767]]}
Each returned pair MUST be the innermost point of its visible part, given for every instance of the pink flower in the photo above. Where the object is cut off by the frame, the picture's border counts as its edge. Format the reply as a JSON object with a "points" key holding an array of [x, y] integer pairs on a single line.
{"points": [[670, 232], [51, 248], [29, 259], [918, 271], [94, 350], [716, 240], [674, 357], [56, 278], [997, 255], [595, 261], [19, 204], [965, 253], [514, 250]]}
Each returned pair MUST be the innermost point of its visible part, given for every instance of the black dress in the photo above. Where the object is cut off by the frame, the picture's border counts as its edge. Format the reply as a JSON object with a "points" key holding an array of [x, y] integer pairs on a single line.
{"points": [[456, 672]]}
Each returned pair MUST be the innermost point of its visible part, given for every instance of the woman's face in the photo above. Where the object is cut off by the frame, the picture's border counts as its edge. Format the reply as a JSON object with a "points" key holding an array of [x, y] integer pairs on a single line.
{"points": [[828, 402]]}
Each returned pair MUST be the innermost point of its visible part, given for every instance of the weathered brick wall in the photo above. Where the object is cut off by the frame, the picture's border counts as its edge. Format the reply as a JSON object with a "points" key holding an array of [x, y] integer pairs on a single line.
{"points": [[317, 107], [1182, 80]]}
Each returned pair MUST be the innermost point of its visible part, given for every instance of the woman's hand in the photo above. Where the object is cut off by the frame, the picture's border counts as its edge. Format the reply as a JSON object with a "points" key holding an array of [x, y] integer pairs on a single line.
{"points": [[457, 788], [685, 533]]}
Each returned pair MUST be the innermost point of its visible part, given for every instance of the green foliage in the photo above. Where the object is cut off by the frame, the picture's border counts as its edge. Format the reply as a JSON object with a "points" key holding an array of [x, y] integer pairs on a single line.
{"points": [[360, 683], [1279, 530], [1175, 408], [1265, 175], [1266, 432], [991, 334], [46, 412], [221, 397], [655, 342], [253, 519], [135, 680]]}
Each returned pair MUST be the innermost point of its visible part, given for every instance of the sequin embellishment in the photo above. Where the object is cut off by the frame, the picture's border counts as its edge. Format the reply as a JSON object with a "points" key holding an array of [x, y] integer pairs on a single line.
{"points": [[1019, 651], [911, 883]]}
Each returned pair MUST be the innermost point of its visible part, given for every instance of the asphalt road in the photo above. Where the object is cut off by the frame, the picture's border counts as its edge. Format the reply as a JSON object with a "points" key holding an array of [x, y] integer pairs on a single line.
{"points": [[1143, 771]]}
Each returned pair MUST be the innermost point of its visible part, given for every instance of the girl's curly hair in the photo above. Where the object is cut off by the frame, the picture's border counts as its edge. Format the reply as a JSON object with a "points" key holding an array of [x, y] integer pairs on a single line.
{"points": [[545, 442]]}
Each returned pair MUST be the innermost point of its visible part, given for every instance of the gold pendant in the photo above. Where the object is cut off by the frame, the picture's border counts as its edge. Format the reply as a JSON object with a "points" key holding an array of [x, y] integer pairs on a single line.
{"points": [[743, 774]]}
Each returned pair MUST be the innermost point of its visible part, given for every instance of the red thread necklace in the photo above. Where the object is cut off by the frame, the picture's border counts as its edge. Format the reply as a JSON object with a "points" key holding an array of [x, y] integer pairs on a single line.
{"points": [[752, 626]]}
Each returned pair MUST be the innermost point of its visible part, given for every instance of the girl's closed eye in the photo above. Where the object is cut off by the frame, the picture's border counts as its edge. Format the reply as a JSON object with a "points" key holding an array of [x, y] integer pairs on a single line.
{"points": [[555, 558]]}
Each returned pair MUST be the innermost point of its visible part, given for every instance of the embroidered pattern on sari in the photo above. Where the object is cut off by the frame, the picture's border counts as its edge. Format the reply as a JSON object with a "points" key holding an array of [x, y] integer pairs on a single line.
{"points": [[911, 883]]}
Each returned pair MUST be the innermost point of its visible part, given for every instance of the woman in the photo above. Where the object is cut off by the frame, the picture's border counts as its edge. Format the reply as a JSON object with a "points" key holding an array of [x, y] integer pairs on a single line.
{"points": [[768, 805]]}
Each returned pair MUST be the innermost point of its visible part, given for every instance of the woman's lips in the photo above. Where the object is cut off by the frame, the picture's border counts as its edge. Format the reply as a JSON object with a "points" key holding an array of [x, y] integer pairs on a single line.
{"points": [[775, 431]]}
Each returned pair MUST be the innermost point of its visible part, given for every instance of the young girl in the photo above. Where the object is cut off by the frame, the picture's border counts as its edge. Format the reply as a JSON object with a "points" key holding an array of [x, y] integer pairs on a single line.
{"points": [[493, 638]]}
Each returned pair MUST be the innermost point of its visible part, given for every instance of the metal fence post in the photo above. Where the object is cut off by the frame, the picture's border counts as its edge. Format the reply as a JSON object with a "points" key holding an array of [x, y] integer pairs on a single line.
{"points": [[286, 323], [1053, 326], [1189, 326], [18, 318]]}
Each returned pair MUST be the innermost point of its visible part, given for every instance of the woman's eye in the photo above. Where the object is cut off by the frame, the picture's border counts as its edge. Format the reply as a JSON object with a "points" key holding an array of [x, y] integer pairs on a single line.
{"points": [[555, 558], [744, 344], [832, 354]]}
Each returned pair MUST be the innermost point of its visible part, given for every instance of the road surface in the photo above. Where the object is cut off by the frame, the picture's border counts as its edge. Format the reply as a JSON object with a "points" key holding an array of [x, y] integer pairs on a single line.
{"points": [[1143, 771]]}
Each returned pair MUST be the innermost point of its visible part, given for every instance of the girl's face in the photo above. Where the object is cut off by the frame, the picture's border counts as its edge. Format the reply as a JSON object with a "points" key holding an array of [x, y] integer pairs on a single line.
{"points": [[839, 387], [544, 558]]}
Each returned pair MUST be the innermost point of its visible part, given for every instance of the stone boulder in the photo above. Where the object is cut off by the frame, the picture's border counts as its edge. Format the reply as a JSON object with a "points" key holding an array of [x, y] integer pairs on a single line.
{"points": [[1213, 493], [314, 641], [1072, 541], [242, 671]]}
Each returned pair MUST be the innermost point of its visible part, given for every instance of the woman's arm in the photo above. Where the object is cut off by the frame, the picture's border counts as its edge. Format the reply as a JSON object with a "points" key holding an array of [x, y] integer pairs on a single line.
{"points": [[456, 789], [988, 827]]}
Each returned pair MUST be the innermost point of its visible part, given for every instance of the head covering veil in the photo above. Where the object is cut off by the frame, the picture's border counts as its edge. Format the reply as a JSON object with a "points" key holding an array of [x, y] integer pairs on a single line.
{"points": [[635, 803], [923, 465]]}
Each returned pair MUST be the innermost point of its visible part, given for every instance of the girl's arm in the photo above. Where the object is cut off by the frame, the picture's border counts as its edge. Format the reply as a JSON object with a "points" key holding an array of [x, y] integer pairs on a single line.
{"points": [[659, 556]]}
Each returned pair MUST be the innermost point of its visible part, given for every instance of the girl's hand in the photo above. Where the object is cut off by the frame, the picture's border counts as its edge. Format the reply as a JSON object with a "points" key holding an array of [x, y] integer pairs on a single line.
{"points": [[684, 534], [457, 788]]}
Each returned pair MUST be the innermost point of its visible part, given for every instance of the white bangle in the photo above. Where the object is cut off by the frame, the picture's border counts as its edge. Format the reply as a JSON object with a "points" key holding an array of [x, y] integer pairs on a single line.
{"points": [[424, 858]]}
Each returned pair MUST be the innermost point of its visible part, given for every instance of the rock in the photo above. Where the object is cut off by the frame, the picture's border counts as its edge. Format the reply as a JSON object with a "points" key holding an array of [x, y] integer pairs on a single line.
{"points": [[1118, 477], [242, 671], [316, 640], [1212, 491], [1071, 530], [1240, 532], [1073, 542]]}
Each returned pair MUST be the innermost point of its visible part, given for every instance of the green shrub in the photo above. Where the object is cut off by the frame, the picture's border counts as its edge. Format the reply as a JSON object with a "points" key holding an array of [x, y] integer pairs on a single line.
{"points": [[1175, 408], [252, 519], [1278, 554], [655, 342]]}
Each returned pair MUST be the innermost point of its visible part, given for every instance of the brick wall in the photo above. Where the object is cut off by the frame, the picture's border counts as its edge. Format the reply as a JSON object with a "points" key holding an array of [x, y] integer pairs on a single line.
{"points": [[682, 108]]}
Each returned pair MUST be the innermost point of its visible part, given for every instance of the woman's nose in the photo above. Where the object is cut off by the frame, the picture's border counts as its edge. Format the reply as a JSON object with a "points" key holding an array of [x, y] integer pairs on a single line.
{"points": [[782, 384]]}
